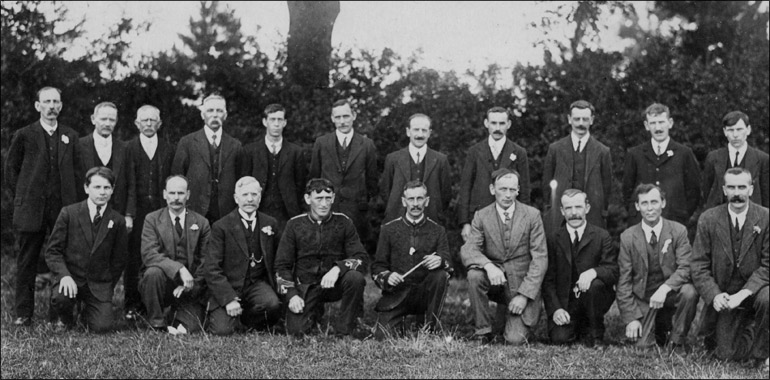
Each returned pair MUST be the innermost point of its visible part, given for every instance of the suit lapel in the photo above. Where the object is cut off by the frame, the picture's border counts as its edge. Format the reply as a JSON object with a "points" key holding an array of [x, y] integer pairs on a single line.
{"points": [[202, 146], [640, 246], [518, 225], [40, 138], [592, 155], [117, 156], [495, 232], [88, 153], [403, 160], [747, 232], [565, 243], [331, 150], [565, 147], [588, 235], [227, 148], [264, 243], [505, 160], [238, 231], [283, 155], [665, 234], [751, 160], [356, 146], [191, 234], [486, 154], [62, 146], [723, 232], [166, 229], [104, 225], [85, 223], [431, 158], [649, 153]]}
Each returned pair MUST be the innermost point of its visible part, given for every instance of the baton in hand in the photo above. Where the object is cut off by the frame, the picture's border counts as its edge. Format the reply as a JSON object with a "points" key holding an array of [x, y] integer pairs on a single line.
{"points": [[416, 266]]}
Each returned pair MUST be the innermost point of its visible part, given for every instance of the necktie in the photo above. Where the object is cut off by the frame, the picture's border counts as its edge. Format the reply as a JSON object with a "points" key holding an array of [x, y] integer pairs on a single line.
{"points": [[98, 216], [653, 239], [659, 150], [735, 164], [737, 226], [248, 222], [578, 147], [345, 143], [178, 227], [214, 141], [576, 240], [507, 218], [273, 149], [418, 158]]}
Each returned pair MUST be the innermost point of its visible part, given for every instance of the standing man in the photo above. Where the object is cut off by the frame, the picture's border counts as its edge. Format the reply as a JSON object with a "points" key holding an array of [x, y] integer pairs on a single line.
{"points": [[655, 295], [208, 158], [738, 153], [665, 163], [174, 241], [582, 270], [320, 259], [279, 165], [506, 259], [149, 164], [496, 152], [239, 265], [417, 162], [101, 149], [730, 271], [349, 161], [578, 161], [87, 254], [411, 241], [40, 172]]}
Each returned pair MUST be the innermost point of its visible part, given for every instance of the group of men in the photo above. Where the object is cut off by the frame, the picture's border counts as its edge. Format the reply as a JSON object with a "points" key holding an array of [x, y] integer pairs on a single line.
{"points": [[232, 244]]}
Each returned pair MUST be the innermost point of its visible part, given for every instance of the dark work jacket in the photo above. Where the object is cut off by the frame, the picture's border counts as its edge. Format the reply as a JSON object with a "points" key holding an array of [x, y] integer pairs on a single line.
{"points": [[291, 176]]}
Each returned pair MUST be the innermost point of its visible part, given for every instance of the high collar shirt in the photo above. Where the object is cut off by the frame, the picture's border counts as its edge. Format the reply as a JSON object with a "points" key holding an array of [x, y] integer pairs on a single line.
{"points": [[649, 230], [496, 146], [149, 144], [583, 141], [103, 147]]}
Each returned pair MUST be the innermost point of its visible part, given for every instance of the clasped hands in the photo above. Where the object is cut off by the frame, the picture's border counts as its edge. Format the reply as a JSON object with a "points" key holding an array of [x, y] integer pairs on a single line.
{"points": [[724, 301], [187, 282]]}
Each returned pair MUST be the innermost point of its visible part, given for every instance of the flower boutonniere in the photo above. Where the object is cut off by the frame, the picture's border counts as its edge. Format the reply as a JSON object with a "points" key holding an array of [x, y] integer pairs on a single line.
{"points": [[109, 225], [665, 246], [194, 227], [670, 152], [757, 230], [268, 230], [65, 139], [512, 157]]}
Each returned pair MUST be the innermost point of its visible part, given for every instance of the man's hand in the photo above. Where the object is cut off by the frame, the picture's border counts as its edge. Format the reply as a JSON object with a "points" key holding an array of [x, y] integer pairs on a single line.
{"points": [[296, 304], [561, 317], [517, 304], [736, 299], [432, 261], [584, 281], [466, 232], [178, 291], [234, 308], [659, 297], [327, 282], [721, 302], [496, 276], [187, 279], [394, 279], [129, 223], [634, 330], [67, 287]]}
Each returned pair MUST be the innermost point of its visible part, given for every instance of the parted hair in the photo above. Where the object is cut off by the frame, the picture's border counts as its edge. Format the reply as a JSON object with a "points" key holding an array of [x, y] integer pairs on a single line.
{"points": [[413, 185], [101, 171], [644, 188], [502, 172], [582, 104], [319, 185], [732, 117], [273, 108], [569, 193]]}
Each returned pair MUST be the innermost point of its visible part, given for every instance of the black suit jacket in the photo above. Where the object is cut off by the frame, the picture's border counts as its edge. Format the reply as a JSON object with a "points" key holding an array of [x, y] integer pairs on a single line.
{"points": [[475, 177], [227, 257], [436, 177], [26, 169], [192, 159], [292, 171], [595, 250], [89, 159], [134, 152], [717, 162], [97, 260], [356, 183], [677, 173]]}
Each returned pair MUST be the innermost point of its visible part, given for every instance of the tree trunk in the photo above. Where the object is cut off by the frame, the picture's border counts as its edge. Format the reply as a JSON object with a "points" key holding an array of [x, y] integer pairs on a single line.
{"points": [[310, 43]]}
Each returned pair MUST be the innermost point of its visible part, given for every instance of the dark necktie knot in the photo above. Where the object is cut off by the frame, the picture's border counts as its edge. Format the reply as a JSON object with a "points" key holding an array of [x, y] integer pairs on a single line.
{"points": [[737, 226], [178, 226], [98, 216], [576, 240], [578, 146], [653, 239]]}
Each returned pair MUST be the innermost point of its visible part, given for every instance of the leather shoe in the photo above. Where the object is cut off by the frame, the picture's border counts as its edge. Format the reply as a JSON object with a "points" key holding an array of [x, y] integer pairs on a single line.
{"points": [[22, 321], [484, 339]]}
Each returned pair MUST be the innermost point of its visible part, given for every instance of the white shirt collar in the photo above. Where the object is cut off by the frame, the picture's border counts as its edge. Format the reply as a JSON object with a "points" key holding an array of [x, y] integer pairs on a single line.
{"points": [[741, 217], [414, 150], [278, 144], [100, 141], [580, 230], [181, 217], [496, 145], [209, 134], [742, 153], [501, 212], [245, 217], [583, 141], [50, 129], [657, 228], [341, 136], [663, 146], [92, 209], [149, 144]]}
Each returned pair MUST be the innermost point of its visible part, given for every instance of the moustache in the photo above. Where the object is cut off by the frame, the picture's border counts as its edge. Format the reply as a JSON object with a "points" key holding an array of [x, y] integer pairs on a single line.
{"points": [[737, 199], [575, 217], [415, 208], [497, 133]]}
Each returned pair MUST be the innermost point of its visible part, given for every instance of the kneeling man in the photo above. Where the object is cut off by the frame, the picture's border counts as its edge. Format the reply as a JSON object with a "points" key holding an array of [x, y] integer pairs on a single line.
{"points": [[87, 254], [655, 294], [238, 265], [506, 258], [321, 259], [582, 269], [411, 262], [173, 242]]}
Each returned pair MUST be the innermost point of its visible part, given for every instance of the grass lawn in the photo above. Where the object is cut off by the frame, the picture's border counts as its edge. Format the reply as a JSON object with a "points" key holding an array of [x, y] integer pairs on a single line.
{"points": [[41, 352]]}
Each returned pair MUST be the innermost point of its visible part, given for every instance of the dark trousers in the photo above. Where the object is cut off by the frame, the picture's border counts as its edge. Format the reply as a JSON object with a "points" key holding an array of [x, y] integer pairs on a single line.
{"points": [[741, 333], [349, 288], [29, 262], [586, 315], [94, 313], [427, 298], [675, 317], [261, 307], [487, 320], [158, 293]]}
